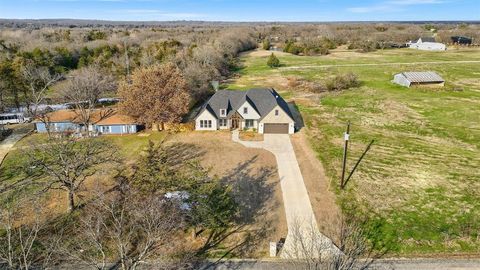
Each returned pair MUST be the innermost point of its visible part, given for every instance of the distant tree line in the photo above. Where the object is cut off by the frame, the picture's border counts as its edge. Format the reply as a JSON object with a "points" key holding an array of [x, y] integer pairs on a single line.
{"points": [[201, 57]]}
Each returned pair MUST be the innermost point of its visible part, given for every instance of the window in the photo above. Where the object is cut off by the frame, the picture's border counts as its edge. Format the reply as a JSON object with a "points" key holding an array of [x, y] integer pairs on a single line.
{"points": [[245, 110], [205, 123], [105, 129], [223, 112], [222, 122], [276, 112], [249, 123]]}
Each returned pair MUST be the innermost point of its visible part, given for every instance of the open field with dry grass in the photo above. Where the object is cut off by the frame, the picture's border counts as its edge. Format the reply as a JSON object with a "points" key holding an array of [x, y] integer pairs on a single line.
{"points": [[420, 182]]}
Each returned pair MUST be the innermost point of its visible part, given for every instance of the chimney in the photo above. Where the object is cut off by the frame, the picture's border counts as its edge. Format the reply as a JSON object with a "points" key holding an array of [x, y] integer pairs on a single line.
{"points": [[215, 85]]}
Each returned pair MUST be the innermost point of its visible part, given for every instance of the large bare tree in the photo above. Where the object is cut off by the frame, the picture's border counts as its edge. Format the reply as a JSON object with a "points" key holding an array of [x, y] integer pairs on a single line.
{"points": [[126, 229], [155, 95], [38, 80], [83, 89], [21, 226], [66, 163]]}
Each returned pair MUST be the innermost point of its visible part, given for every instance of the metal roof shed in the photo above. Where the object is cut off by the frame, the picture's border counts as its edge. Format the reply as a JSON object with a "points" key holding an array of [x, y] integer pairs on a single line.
{"points": [[426, 78]]}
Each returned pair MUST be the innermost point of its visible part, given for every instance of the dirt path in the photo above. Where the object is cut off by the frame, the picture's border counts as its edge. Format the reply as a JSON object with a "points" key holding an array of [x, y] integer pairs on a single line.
{"points": [[381, 64], [7, 144]]}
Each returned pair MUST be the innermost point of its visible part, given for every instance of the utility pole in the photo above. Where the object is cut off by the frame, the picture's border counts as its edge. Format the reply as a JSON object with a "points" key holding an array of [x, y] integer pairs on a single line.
{"points": [[346, 137]]}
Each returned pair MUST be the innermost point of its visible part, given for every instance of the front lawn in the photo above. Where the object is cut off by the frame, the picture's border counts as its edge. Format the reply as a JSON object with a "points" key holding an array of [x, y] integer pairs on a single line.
{"points": [[250, 173]]}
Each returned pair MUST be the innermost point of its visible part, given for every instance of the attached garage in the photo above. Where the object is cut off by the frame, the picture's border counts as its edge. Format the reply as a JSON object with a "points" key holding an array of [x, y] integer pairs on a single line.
{"points": [[274, 128]]}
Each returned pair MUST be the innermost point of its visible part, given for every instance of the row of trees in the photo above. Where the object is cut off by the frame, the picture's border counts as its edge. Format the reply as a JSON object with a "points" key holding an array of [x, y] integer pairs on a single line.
{"points": [[309, 46], [200, 60], [347, 33]]}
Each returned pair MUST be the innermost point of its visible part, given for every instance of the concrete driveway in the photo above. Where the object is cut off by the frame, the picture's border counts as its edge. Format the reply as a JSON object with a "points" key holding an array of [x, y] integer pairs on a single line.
{"points": [[301, 223]]}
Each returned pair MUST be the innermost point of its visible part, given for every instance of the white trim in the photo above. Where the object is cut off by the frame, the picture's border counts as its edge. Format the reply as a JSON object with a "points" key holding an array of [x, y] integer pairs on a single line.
{"points": [[223, 112]]}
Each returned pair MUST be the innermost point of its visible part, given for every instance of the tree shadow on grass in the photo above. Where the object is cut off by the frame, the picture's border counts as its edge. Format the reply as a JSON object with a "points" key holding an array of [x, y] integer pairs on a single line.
{"points": [[253, 194], [180, 153]]}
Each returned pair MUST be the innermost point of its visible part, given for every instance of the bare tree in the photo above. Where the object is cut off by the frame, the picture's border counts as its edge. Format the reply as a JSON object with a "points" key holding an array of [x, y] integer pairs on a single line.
{"points": [[38, 79], [66, 163], [83, 89], [128, 230], [309, 249], [20, 235]]}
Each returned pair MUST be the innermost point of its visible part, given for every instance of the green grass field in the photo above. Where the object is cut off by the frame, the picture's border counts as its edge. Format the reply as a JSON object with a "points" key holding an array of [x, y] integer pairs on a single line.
{"points": [[420, 182]]}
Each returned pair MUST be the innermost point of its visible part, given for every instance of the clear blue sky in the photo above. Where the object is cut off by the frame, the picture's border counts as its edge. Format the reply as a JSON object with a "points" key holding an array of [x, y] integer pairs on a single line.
{"points": [[243, 10]]}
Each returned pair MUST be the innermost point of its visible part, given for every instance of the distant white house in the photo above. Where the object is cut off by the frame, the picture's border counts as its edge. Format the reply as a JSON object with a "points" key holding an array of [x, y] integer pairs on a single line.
{"points": [[427, 44], [427, 78]]}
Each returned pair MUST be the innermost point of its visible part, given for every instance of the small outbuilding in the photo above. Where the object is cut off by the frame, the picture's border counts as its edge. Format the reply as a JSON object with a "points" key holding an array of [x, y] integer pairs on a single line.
{"points": [[426, 78], [427, 44]]}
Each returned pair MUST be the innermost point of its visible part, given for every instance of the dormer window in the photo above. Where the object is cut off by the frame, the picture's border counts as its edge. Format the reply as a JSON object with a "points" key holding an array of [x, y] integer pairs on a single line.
{"points": [[245, 110], [223, 112]]}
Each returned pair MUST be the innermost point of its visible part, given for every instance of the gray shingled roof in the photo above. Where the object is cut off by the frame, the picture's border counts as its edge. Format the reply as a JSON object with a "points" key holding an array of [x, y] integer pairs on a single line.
{"points": [[422, 77], [263, 100], [428, 39]]}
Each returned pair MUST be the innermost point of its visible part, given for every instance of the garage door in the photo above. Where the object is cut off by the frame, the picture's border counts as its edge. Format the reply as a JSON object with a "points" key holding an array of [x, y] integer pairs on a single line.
{"points": [[275, 128]]}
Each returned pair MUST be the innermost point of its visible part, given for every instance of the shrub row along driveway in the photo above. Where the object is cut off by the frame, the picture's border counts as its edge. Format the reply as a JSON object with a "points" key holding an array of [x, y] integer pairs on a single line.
{"points": [[301, 221]]}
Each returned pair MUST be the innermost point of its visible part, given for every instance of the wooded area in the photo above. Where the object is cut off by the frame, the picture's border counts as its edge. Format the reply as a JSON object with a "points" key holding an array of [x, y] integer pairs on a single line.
{"points": [[159, 72]]}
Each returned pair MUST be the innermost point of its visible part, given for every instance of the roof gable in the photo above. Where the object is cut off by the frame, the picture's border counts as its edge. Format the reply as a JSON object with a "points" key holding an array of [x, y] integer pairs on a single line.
{"points": [[252, 112], [427, 39]]}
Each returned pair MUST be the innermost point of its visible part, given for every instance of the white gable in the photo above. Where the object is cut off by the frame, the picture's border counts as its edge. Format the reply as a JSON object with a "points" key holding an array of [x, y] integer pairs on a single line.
{"points": [[251, 112]]}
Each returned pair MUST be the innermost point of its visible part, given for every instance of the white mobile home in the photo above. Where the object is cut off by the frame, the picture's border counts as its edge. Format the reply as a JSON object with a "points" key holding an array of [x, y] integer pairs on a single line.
{"points": [[428, 44]]}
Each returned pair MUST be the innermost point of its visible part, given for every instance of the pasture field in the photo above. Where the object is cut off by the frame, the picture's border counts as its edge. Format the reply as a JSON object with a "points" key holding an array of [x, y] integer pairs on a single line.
{"points": [[420, 182]]}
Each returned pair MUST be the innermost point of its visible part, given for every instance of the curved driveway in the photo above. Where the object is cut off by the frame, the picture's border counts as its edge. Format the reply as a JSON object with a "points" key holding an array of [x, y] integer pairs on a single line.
{"points": [[301, 223]]}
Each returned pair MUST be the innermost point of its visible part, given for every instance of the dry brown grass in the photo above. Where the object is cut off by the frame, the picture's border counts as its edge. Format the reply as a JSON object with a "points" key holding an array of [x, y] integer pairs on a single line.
{"points": [[250, 136], [239, 166], [229, 159], [262, 53]]}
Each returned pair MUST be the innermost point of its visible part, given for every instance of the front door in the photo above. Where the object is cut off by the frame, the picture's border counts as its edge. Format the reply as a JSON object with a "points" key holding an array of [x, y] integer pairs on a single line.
{"points": [[235, 121]]}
